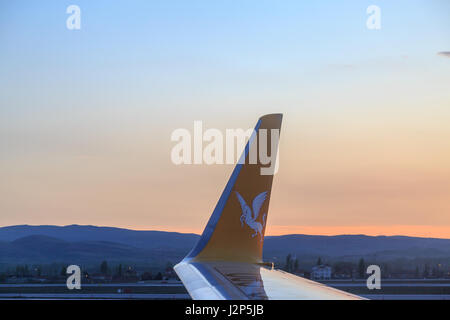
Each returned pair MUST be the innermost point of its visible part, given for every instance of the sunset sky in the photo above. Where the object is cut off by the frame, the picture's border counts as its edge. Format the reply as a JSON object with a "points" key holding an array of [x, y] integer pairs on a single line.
{"points": [[86, 115]]}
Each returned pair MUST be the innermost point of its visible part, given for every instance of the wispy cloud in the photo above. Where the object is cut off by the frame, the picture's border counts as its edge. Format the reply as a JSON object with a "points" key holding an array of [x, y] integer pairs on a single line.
{"points": [[444, 54]]}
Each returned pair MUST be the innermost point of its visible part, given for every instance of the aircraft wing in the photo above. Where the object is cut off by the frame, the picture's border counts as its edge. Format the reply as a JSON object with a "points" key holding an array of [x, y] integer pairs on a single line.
{"points": [[226, 263], [244, 281]]}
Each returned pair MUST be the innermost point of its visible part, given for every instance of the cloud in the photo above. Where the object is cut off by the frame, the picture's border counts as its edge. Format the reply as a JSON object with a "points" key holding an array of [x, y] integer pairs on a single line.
{"points": [[444, 54]]}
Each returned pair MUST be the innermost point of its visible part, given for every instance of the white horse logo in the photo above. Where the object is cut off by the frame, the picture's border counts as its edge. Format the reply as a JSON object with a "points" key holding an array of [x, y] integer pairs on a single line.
{"points": [[248, 217]]}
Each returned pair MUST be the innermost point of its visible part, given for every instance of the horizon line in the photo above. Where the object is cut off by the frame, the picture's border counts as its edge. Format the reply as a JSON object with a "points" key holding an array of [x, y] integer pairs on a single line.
{"points": [[415, 231]]}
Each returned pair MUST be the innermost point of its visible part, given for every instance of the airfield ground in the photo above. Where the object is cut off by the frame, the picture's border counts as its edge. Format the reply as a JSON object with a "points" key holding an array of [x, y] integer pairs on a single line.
{"points": [[392, 289]]}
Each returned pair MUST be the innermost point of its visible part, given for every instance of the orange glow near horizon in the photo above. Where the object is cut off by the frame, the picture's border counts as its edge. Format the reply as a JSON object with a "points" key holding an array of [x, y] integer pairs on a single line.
{"points": [[396, 230], [423, 231]]}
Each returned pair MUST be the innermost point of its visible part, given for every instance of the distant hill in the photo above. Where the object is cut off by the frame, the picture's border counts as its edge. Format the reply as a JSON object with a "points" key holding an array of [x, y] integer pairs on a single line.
{"points": [[357, 245], [77, 244], [74, 233]]}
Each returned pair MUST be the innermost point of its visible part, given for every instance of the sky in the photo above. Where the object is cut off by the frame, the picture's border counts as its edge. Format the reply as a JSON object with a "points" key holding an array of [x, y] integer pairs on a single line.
{"points": [[86, 115]]}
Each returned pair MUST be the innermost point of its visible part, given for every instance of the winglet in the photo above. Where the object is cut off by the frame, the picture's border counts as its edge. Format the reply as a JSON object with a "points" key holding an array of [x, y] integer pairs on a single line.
{"points": [[235, 231]]}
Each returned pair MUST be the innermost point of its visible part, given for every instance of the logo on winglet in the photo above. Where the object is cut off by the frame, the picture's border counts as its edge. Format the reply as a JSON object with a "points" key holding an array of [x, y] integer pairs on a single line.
{"points": [[249, 217]]}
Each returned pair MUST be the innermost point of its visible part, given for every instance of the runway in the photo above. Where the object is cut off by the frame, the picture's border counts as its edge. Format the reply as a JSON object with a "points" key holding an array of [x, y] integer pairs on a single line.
{"points": [[391, 290], [94, 296], [133, 296], [407, 296], [91, 285]]}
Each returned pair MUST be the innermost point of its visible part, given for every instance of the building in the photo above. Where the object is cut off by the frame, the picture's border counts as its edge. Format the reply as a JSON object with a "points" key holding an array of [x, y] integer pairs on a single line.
{"points": [[321, 272]]}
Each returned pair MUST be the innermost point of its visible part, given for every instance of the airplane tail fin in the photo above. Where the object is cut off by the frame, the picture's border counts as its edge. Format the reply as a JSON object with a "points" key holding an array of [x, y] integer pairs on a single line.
{"points": [[235, 231]]}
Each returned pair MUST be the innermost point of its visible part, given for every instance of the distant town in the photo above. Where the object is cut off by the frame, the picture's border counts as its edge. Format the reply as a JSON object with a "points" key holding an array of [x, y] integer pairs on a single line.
{"points": [[122, 273]]}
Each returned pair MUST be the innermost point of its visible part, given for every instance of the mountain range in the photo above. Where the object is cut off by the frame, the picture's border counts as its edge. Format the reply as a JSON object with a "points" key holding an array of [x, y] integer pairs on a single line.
{"points": [[76, 244]]}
